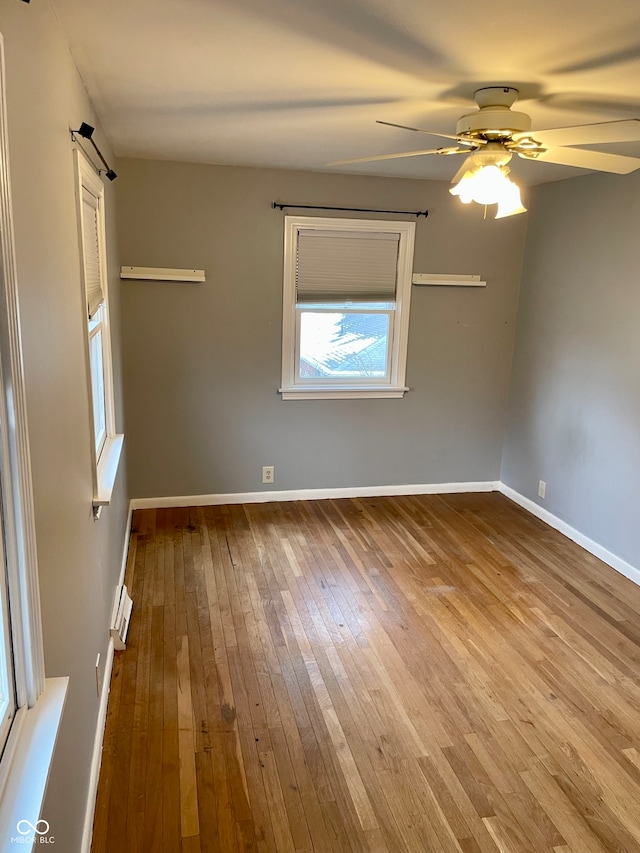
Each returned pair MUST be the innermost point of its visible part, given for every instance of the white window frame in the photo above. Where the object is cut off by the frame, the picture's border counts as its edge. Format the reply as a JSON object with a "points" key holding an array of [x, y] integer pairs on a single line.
{"points": [[39, 702], [106, 453], [293, 387], [97, 330]]}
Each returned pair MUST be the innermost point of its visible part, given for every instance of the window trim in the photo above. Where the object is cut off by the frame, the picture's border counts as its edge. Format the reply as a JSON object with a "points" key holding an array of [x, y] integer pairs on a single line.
{"points": [[105, 459], [32, 735], [96, 327], [291, 387], [15, 459]]}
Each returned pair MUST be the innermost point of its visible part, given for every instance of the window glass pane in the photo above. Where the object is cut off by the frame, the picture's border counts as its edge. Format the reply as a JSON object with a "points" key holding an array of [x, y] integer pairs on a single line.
{"points": [[91, 251], [6, 684], [97, 387], [7, 694], [344, 345]]}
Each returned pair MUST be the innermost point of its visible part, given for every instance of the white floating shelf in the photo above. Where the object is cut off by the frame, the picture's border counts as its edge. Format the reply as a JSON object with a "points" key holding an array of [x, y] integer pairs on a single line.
{"points": [[426, 279], [161, 274]]}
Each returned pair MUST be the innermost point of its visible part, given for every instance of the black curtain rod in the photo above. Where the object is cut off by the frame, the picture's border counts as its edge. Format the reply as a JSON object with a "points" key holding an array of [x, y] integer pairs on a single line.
{"points": [[86, 132], [277, 206]]}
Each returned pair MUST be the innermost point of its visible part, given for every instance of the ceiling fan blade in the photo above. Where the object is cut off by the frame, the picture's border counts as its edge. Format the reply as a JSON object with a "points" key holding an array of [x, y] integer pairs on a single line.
{"points": [[402, 154], [626, 130], [618, 106], [599, 60], [582, 158], [474, 143]]}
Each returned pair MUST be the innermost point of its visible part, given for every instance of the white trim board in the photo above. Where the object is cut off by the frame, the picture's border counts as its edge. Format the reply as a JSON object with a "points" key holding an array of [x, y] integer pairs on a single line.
{"points": [[312, 494], [96, 757], [125, 546], [589, 545], [34, 734]]}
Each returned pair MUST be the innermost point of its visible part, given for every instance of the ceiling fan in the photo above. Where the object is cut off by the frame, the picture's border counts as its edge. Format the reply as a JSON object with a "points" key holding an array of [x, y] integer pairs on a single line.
{"points": [[493, 133]]}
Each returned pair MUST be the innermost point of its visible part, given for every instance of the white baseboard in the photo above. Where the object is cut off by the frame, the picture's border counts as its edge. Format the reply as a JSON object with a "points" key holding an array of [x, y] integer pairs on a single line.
{"points": [[312, 494], [96, 757], [125, 546], [589, 545]]}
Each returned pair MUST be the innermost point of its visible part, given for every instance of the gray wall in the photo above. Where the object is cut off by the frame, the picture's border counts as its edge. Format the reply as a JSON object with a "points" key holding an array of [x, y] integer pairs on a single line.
{"points": [[574, 411], [202, 361], [79, 559]]}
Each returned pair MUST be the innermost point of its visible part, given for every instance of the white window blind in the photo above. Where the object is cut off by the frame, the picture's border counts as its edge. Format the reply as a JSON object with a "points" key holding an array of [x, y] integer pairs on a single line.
{"points": [[91, 251], [336, 266]]}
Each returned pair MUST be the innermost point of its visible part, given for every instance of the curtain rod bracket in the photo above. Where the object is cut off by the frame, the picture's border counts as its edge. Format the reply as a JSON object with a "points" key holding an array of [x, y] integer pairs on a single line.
{"points": [[276, 205], [85, 131]]}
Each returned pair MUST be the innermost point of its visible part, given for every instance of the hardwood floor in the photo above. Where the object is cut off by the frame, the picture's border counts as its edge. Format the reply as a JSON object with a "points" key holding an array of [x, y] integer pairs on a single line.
{"points": [[437, 673]]}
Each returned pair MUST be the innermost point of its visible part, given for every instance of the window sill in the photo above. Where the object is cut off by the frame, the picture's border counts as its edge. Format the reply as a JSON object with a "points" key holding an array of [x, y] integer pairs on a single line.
{"points": [[30, 754], [355, 392], [107, 470]]}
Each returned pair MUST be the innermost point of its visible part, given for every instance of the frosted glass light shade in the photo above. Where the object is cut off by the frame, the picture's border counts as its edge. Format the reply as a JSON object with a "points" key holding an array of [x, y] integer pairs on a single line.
{"points": [[490, 185]]}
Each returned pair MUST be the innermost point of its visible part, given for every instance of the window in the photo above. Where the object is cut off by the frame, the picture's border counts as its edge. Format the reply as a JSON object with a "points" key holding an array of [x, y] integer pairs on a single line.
{"points": [[107, 445], [347, 289], [21, 654], [30, 705]]}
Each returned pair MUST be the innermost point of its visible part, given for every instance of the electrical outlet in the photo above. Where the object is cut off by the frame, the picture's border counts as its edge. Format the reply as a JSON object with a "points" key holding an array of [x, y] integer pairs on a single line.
{"points": [[268, 473], [542, 488], [98, 676]]}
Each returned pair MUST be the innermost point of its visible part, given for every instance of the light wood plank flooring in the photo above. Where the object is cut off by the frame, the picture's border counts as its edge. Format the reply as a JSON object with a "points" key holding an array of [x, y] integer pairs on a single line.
{"points": [[438, 673]]}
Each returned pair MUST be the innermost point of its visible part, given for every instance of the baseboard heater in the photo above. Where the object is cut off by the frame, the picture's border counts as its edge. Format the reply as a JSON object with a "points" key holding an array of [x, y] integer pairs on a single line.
{"points": [[120, 618]]}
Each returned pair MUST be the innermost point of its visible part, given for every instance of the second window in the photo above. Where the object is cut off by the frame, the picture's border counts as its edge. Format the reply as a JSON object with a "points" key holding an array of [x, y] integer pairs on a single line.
{"points": [[347, 287]]}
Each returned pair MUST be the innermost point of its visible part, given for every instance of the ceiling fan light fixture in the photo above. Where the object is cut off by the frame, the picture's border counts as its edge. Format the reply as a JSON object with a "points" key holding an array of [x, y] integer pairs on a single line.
{"points": [[465, 188], [510, 203], [490, 185], [493, 133], [484, 185]]}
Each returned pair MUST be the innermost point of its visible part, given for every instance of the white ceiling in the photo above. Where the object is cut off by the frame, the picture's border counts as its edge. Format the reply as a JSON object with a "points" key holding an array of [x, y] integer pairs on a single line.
{"points": [[300, 83]]}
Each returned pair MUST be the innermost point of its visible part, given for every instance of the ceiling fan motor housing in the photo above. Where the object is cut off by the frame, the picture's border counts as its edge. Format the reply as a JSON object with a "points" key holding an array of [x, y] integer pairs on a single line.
{"points": [[494, 119]]}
